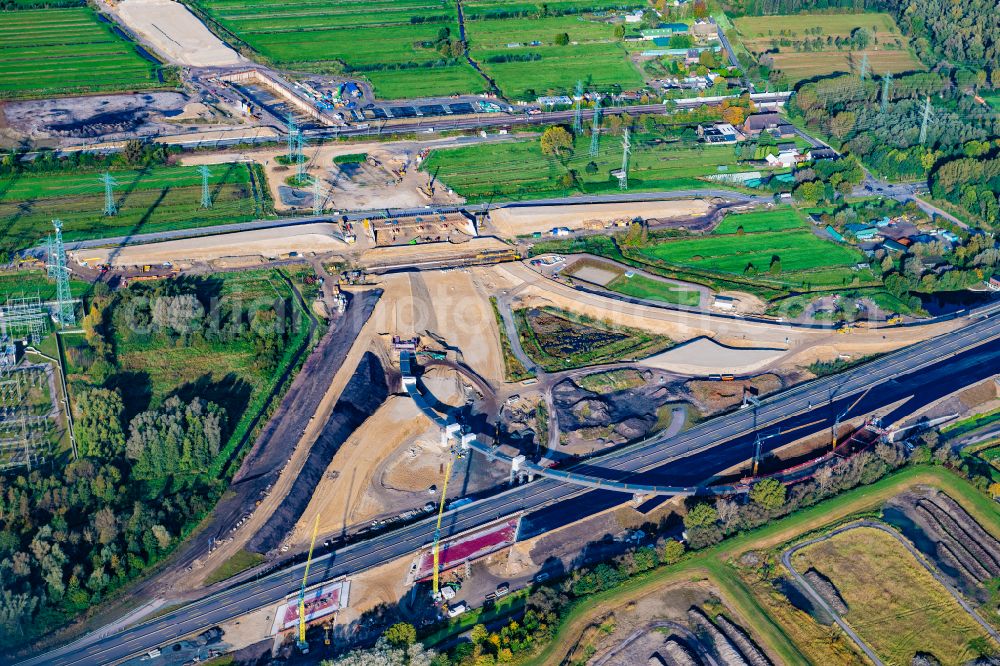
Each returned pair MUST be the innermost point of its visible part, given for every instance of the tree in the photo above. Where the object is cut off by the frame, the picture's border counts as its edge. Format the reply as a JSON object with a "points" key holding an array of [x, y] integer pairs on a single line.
{"points": [[995, 490], [671, 551], [401, 634], [98, 424], [176, 438], [556, 141], [562, 39], [842, 124], [769, 493], [133, 152], [734, 115], [701, 515], [619, 32]]}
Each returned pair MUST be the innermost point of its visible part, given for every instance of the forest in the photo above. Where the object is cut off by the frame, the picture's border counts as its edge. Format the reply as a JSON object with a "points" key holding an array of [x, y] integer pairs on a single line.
{"points": [[151, 453]]}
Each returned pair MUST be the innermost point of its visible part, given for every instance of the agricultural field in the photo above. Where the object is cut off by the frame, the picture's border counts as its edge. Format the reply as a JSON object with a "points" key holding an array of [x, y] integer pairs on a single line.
{"points": [[521, 54], [401, 46], [891, 600], [519, 170], [559, 340], [887, 49], [50, 52], [157, 198]]}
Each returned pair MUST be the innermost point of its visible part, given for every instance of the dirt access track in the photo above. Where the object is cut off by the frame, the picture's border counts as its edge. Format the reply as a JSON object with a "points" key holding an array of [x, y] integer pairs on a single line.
{"points": [[175, 33], [795, 345]]}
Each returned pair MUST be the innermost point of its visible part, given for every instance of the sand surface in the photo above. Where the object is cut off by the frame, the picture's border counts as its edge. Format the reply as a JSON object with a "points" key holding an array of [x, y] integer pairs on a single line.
{"points": [[268, 243], [704, 355], [176, 33], [522, 220]]}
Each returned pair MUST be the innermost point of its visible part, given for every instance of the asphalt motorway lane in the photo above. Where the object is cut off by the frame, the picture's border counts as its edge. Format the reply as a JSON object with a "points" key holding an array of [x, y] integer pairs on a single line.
{"points": [[641, 457]]}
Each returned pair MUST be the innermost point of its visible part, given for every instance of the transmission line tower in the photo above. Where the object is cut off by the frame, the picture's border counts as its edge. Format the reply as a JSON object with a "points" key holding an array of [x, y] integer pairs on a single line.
{"points": [[595, 128], [318, 196], [863, 71], [626, 151], [206, 195], [886, 84], [109, 194], [300, 158], [578, 117], [293, 137], [56, 265], [927, 117]]}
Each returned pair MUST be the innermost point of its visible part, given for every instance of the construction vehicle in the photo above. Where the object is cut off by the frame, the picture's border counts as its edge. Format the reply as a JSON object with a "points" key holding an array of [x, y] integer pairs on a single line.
{"points": [[302, 644], [893, 320], [327, 630]]}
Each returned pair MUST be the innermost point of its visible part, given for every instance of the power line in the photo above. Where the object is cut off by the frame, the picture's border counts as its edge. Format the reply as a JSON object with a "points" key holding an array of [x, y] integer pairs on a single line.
{"points": [[578, 117], [886, 84], [206, 195], [595, 128], [626, 150], [926, 120], [109, 195]]}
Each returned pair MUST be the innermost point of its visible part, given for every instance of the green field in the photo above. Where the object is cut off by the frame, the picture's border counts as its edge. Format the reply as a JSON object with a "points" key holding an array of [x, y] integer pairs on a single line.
{"points": [[797, 251], [157, 198], [639, 286], [29, 283], [391, 42], [520, 170], [593, 55], [889, 51], [776, 219], [49, 52]]}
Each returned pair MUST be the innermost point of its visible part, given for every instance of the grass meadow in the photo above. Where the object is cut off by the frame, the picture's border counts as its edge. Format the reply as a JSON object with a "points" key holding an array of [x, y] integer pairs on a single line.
{"points": [[47, 52], [894, 604], [157, 198]]}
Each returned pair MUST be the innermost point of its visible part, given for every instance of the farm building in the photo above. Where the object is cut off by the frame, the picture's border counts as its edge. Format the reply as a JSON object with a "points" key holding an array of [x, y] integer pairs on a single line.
{"points": [[767, 122], [862, 231], [719, 133], [894, 245], [705, 30], [822, 154], [834, 234]]}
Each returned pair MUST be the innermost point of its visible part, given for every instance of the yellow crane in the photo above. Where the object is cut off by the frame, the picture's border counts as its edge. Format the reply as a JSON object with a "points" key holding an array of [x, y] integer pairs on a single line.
{"points": [[302, 644], [437, 529]]}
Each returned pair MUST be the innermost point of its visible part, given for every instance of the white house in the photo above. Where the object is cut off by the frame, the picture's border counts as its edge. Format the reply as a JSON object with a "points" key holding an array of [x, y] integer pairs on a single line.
{"points": [[785, 158]]}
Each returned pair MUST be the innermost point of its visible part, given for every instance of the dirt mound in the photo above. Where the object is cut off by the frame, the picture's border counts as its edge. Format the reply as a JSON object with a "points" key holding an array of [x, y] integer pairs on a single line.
{"points": [[826, 589], [364, 393]]}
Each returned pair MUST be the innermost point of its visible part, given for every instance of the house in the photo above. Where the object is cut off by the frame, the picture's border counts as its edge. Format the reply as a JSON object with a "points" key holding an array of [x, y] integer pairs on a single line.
{"points": [[993, 284], [786, 158], [894, 246], [634, 17], [724, 302], [719, 133], [822, 154], [705, 30], [862, 232], [761, 122], [692, 56], [554, 100]]}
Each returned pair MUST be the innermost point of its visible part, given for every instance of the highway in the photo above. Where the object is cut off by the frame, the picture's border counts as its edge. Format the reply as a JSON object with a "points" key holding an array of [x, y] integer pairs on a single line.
{"points": [[899, 368]]}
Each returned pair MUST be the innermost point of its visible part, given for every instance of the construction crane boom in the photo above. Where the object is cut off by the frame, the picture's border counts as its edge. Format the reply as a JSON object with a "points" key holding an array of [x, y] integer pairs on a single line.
{"points": [[303, 646], [437, 528]]}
